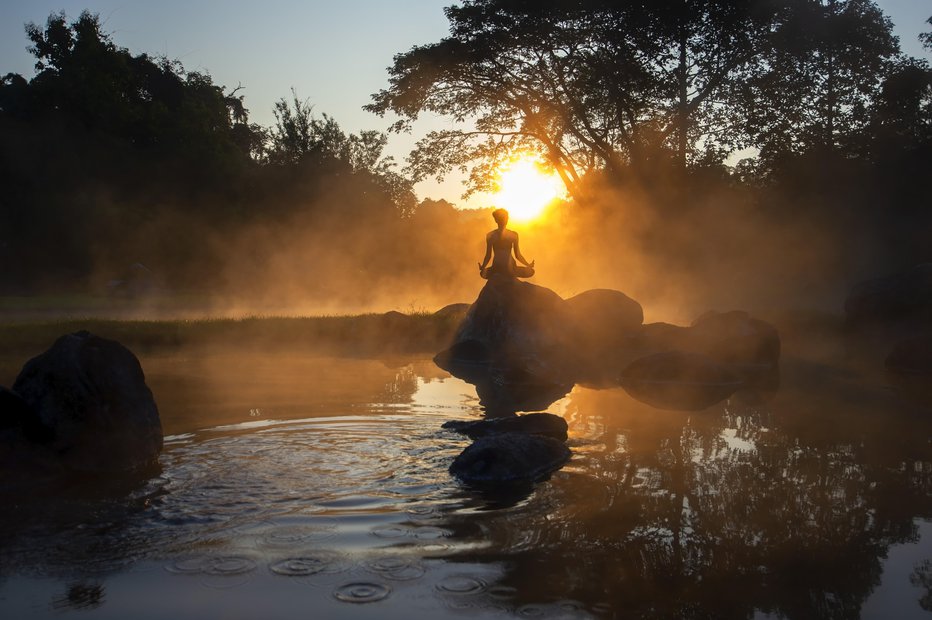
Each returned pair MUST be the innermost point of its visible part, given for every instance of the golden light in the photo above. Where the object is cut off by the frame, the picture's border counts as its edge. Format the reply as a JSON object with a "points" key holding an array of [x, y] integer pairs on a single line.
{"points": [[525, 190]]}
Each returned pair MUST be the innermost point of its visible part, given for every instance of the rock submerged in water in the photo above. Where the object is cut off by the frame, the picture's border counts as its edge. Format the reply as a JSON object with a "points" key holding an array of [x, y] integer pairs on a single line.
{"points": [[545, 424], [516, 325], [517, 334], [534, 333], [509, 458], [679, 381], [89, 397]]}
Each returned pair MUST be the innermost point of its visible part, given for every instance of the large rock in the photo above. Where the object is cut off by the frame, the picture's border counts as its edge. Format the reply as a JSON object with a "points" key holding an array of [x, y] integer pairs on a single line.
{"points": [[509, 458], [545, 424], [737, 340], [747, 346], [514, 325], [601, 314], [19, 420], [680, 381], [91, 394], [902, 301]]}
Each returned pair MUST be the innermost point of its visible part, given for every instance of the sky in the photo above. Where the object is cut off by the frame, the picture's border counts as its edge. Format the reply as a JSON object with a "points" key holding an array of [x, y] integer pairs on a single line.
{"points": [[334, 54]]}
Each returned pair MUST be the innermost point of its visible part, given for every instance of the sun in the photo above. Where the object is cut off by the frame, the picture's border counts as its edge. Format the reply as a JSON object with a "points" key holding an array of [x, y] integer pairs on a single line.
{"points": [[525, 190]]}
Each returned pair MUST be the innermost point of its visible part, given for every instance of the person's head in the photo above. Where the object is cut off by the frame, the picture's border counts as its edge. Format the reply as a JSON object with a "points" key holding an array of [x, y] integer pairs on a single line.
{"points": [[500, 216]]}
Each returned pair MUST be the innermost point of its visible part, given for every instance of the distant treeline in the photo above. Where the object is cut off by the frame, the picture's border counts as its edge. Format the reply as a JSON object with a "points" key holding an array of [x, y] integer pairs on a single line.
{"points": [[109, 159]]}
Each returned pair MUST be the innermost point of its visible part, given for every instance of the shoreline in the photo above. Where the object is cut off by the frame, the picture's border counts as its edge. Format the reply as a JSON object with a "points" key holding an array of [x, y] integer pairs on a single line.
{"points": [[387, 333]]}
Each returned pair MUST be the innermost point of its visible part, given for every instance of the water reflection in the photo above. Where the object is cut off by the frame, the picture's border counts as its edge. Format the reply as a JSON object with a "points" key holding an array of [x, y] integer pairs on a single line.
{"points": [[80, 596], [337, 497]]}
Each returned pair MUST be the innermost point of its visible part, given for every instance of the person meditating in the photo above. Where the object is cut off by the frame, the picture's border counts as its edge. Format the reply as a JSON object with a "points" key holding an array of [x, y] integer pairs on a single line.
{"points": [[501, 241]]}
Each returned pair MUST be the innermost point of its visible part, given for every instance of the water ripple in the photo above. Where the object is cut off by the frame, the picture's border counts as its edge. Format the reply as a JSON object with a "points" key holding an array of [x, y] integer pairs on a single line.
{"points": [[461, 585], [362, 592], [397, 568]]}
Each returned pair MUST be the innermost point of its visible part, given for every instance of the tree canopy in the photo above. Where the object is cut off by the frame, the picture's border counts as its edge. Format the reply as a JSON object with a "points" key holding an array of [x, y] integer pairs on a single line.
{"points": [[109, 158], [627, 86]]}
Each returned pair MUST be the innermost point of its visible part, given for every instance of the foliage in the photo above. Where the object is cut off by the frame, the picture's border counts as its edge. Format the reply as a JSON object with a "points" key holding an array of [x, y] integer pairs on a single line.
{"points": [[109, 159], [150, 103], [583, 85], [821, 80], [299, 138], [629, 87]]}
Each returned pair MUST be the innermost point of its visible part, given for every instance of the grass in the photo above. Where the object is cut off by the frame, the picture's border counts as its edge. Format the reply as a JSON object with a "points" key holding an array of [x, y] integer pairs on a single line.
{"points": [[365, 334]]}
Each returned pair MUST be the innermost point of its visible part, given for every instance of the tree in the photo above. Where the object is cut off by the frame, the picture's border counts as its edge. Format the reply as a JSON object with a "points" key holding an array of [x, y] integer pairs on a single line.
{"points": [[583, 85], [821, 77], [90, 84], [630, 86], [926, 37], [300, 138]]}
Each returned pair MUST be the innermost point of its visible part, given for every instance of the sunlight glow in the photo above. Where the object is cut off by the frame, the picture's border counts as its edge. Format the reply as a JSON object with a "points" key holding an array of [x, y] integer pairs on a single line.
{"points": [[525, 190]]}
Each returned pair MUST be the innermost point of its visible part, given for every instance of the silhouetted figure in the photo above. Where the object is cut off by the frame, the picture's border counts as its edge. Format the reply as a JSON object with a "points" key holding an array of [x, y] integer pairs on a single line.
{"points": [[501, 241]]}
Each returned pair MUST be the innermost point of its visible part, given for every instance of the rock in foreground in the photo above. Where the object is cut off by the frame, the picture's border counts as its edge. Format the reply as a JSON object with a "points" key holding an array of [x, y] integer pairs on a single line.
{"points": [[90, 394], [509, 458]]}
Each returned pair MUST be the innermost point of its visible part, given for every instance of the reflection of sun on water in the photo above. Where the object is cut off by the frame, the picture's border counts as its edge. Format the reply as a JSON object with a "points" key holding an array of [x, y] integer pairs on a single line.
{"points": [[525, 190]]}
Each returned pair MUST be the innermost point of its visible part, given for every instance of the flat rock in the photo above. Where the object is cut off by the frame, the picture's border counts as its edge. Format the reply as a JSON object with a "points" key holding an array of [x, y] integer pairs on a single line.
{"points": [[545, 424], [509, 458]]}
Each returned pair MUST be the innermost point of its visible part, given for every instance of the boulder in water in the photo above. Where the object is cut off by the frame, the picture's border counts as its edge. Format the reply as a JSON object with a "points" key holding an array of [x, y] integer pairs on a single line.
{"points": [[678, 380], [736, 339], [545, 424], [515, 325], [91, 395], [509, 458], [600, 314]]}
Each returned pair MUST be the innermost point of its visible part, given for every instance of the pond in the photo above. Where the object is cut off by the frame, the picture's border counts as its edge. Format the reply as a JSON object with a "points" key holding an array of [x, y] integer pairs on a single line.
{"points": [[301, 486]]}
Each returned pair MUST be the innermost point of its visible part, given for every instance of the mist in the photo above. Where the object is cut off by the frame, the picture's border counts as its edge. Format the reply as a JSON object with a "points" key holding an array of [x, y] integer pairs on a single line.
{"points": [[714, 247], [164, 199]]}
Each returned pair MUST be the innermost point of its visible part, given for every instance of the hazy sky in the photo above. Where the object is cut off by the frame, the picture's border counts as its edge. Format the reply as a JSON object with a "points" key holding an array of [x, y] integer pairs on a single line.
{"points": [[334, 53]]}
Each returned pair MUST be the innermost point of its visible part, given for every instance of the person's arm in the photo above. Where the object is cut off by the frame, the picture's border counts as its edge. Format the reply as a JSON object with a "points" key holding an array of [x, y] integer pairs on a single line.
{"points": [[518, 255], [488, 253]]}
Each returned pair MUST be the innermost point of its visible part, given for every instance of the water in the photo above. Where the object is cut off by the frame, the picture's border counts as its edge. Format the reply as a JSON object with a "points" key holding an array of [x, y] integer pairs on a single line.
{"points": [[295, 486]]}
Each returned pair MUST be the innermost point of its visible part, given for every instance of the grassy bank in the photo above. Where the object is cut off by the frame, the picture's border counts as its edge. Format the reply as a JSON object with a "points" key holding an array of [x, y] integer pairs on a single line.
{"points": [[366, 334]]}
